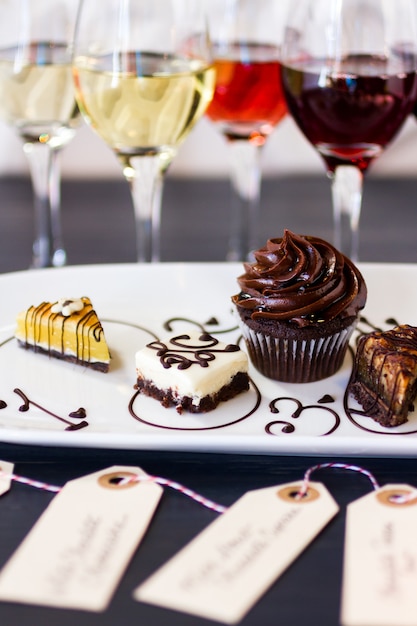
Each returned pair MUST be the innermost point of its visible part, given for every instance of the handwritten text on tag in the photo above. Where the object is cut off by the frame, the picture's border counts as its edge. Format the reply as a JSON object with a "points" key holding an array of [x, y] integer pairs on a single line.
{"points": [[224, 571], [78, 550], [380, 561]]}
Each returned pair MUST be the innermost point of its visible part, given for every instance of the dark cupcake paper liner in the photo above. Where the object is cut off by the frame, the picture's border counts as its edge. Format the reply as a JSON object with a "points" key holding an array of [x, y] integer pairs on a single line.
{"points": [[297, 360]]}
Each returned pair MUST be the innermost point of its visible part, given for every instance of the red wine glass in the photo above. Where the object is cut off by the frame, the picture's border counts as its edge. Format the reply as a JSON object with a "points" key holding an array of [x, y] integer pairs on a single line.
{"points": [[247, 104], [349, 77]]}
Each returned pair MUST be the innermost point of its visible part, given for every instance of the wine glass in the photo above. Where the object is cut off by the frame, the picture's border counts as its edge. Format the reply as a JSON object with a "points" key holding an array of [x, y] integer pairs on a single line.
{"points": [[143, 77], [37, 100], [349, 76], [247, 104]]}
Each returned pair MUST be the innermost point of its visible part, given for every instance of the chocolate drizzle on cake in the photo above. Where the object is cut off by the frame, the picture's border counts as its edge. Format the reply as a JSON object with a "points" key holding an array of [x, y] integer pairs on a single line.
{"points": [[87, 330], [384, 376], [182, 351]]}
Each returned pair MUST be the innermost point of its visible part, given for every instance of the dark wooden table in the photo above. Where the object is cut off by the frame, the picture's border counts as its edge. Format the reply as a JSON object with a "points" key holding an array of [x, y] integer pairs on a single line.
{"points": [[98, 224]]}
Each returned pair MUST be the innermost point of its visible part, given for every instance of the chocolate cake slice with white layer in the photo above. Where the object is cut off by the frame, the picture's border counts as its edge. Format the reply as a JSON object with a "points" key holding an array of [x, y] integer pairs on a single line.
{"points": [[192, 371]]}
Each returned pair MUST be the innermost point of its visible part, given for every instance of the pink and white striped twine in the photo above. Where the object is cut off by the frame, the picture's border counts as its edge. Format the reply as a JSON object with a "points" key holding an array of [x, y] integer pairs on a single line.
{"points": [[343, 466], [218, 508], [137, 478]]}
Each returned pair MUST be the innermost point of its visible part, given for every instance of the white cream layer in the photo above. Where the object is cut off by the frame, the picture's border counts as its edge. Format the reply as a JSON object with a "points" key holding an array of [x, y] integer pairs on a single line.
{"points": [[195, 381]]}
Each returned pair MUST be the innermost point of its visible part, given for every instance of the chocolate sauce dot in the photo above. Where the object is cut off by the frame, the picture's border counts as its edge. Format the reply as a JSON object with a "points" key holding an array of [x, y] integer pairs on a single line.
{"points": [[79, 413], [326, 399], [3, 404], [392, 321], [212, 322]]}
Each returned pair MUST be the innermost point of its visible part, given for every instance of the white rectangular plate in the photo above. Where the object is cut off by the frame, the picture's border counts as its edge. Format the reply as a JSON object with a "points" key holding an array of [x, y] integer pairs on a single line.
{"points": [[135, 303]]}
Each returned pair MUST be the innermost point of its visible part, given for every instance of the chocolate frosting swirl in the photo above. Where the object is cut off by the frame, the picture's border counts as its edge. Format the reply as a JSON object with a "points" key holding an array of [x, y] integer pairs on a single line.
{"points": [[302, 280]]}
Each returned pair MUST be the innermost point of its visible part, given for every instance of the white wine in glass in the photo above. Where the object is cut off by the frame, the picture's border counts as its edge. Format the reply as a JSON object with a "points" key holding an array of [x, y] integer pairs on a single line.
{"points": [[143, 77], [38, 101]]}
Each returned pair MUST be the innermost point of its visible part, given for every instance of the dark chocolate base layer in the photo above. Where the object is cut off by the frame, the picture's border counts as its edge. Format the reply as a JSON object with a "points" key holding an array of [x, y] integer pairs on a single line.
{"points": [[375, 407], [96, 365], [167, 397]]}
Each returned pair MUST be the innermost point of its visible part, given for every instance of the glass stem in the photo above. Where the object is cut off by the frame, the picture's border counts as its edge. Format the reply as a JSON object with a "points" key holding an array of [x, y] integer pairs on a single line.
{"points": [[347, 187], [48, 249], [245, 204], [145, 175]]}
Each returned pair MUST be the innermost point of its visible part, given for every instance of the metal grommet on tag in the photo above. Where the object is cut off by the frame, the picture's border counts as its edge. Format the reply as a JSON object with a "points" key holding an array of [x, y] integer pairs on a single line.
{"points": [[117, 480], [396, 497], [292, 493]]}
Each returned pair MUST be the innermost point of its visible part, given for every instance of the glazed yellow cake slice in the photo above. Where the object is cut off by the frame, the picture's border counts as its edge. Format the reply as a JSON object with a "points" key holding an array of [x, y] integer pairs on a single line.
{"points": [[68, 329]]}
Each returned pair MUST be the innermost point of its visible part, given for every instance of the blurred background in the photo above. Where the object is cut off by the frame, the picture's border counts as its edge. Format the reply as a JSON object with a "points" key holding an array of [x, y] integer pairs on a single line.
{"points": [[97, 213], [204, 155], [97, 209]]}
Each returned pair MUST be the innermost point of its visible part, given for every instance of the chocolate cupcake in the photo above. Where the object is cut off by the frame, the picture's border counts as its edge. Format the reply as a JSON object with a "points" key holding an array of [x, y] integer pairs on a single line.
{"points": [[298, 306]]}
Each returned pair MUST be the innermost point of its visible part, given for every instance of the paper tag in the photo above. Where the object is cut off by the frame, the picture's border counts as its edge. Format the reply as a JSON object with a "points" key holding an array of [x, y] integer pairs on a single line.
{"points": [[77, 552], [380, 561], [5, 481], [224, 571]]}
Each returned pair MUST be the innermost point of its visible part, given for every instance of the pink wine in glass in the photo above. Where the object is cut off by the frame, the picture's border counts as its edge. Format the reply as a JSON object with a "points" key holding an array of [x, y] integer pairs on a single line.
{"points": [[248, 99], [350, 113]]}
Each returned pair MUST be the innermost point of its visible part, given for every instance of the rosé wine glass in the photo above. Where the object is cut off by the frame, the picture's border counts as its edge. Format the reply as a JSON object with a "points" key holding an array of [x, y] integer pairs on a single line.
{"points": [[144, 76], [349, 76], [248, 103]]}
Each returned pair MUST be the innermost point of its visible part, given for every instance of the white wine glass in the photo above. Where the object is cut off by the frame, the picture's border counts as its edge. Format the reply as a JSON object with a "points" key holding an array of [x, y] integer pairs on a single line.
{"points": [[349, 75], [143, 77], [248, 103], [38, 101]]}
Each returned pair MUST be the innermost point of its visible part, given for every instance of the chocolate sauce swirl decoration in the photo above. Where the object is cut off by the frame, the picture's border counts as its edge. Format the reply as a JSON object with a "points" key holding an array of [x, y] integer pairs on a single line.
{"points": [[289, 427], [184, 355], [303, 280], [78, 414]]}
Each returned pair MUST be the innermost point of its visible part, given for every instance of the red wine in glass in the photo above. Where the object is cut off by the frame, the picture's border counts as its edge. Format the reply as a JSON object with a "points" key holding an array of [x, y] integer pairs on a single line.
{"points": [[350, 113], [349, 75]]}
